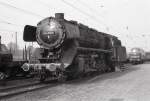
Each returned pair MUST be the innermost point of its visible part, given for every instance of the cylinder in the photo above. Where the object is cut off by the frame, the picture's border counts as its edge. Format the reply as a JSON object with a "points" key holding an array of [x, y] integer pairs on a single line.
{"points": [[59, 15]]}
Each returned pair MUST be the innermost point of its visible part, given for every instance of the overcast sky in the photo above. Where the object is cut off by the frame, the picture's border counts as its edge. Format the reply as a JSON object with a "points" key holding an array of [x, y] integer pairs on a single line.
{"points": [[127, 19]]}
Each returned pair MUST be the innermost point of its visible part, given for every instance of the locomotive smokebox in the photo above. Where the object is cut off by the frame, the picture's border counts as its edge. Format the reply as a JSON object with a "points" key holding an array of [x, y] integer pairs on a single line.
{"points": [[59, 15]]}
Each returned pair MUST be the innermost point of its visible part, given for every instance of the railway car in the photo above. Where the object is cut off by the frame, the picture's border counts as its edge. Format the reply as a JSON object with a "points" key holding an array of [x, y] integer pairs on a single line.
{"points": [[5, 58], [147, 56], [8, 67], [69, 49], [137, 56]]}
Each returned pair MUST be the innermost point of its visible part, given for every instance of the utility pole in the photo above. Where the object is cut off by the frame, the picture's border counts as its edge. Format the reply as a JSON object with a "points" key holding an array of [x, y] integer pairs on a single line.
{"points": [[16, 42], [25, 52]]}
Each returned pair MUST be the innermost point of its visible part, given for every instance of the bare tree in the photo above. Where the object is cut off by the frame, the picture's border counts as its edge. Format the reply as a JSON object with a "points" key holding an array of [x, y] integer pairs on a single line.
{"points": [[13, 47]]}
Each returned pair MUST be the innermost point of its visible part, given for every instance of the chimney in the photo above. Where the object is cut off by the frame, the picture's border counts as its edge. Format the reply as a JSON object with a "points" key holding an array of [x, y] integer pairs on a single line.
{"points": [[59, 15]]}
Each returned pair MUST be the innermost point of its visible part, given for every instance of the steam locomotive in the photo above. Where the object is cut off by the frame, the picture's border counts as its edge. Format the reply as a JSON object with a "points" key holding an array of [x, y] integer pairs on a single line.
{"points": [[69, 49]]}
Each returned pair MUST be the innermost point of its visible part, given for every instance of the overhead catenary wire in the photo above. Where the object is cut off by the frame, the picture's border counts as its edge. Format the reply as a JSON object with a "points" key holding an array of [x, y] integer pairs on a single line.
{"points": [[7, 30], [5, 22], [89, 7], [99, 15], [91, 16], [9, 23], [92, 10], [83, 12], [47, 5], [7, 17], [19, 9], [42, 3]]}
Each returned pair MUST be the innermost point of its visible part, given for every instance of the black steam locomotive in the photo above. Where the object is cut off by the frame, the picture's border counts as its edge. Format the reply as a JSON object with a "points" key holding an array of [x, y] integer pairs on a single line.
{"points": [[69, 49]]}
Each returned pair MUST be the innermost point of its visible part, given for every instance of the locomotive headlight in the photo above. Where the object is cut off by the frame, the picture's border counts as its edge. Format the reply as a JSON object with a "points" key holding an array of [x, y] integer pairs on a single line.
{"points": [[50, 33]]}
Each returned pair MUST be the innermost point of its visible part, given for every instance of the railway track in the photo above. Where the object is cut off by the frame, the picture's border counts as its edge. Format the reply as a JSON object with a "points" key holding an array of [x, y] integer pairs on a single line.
{"points": [[11, 91], [16, 90]]}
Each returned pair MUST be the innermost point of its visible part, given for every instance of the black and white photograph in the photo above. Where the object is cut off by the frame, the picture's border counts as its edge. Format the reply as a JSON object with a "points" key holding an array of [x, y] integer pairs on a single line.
{"points": [[74, 50]]}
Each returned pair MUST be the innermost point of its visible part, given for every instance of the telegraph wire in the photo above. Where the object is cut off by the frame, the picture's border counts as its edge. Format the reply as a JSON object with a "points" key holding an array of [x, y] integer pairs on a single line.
{"points": [[19, 9]]}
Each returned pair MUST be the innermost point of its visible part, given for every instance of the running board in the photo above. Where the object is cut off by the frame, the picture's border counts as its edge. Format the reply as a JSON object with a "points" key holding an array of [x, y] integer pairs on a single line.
{"points": [[93, 49]]}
